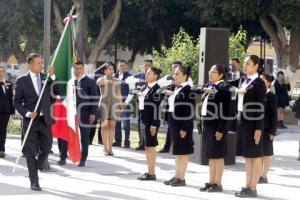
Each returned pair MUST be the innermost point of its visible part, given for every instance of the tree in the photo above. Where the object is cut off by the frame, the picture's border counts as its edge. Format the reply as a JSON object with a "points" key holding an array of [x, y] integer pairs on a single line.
{"points": [[273, 16], [237, 44], [99, 22], [183, 48], [21, 30], [186, 49], [145, 25]]}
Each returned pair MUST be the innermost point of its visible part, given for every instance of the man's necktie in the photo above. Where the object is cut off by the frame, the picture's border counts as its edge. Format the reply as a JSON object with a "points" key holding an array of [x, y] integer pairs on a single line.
{"points": [[38, 83]]}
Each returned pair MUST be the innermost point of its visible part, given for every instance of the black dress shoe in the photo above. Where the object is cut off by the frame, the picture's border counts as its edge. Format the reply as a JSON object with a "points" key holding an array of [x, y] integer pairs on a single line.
{"points": [[126, 145], [35, 187], [164, 150], [140, 148], [147, 177], [170, 181], [178, 182], [116, 144], [61, 162], [246, 192], [243, 190], [81, 164], [2, 154], [262, 180], [206, 187], [215, 188]]}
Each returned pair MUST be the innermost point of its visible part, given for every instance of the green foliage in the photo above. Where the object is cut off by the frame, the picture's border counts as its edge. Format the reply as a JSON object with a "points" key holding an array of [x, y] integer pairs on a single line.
{"points": [[183, 48], [237, 44], [186, 49]]}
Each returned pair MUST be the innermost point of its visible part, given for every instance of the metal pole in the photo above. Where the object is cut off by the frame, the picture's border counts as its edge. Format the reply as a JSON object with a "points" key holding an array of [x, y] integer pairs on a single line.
{"points": [[82, 30], [116, 53], [260, 41], [264, 50], [47, 20]]}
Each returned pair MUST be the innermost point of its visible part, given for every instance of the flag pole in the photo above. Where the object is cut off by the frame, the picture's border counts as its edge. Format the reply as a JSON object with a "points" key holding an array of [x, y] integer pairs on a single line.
{"points": [[40, 97]]}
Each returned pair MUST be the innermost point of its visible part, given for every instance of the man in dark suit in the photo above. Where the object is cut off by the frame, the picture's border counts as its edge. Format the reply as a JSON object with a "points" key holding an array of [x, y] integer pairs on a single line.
{"points": [[86, 104], [122, 74], [234, 74], [234, 70], [142, 75], [28, 89], [6, 108]]}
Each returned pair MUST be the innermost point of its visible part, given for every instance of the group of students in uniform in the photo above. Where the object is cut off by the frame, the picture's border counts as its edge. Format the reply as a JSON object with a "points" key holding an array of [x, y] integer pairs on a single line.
{"points": [[256, 129], [256, 122]]}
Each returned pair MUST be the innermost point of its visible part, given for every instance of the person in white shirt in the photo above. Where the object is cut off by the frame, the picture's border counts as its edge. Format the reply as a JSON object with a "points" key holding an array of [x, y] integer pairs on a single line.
{"points": [[180, 120], [149, 101], [251, 105]]}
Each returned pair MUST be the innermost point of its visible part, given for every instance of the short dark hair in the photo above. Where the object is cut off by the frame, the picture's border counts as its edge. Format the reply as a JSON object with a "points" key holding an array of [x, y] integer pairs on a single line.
{"points": [[123, 61], [268, 77], [177, 62], [221, 70], [79, 63], [109, 64], [185, 71], [236, 59], [280, 72], [150, 61], [32, 56], [258, 61], [156, 70]]}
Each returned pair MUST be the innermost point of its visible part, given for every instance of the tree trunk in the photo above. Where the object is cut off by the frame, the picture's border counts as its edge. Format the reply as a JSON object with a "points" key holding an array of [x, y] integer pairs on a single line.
{"points": [[278, 39], [80, 30], [133, 55], [108, 27], [29, 44], [295, 49], [16, 47], [58, 20]]}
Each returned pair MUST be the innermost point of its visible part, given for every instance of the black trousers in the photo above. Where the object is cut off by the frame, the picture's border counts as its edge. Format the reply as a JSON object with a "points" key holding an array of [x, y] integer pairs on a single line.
{"points": [[85, 138], [4, 118], [39, 135], [93, 132], [63, 148], [168, 139], [140, 130]]}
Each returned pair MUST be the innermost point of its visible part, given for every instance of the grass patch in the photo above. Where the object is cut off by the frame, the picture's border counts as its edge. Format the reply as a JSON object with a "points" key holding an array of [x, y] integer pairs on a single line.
{"points": [[14, 127], [134, 137]]}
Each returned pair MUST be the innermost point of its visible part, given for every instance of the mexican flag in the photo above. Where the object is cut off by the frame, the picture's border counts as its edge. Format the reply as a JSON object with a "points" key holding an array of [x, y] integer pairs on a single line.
{"points": [[64, 110]]}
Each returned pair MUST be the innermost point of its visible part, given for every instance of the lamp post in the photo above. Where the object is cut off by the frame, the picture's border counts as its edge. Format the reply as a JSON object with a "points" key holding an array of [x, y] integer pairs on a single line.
{"points": [[47, 20]]}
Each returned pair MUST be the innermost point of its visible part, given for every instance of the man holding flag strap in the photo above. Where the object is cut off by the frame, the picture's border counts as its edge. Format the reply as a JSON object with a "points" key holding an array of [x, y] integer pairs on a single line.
{"points": [[27, 95]]}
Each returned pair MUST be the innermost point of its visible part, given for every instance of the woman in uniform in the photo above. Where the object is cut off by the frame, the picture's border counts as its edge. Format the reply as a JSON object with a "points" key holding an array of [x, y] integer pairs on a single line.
{"points": [[251, 103], [180, 120], [149, 101], [270, 128], [215, 113]]}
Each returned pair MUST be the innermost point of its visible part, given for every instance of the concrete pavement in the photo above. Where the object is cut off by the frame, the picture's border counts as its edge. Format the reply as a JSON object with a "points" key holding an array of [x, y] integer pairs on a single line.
{"points": [[115, 177]]}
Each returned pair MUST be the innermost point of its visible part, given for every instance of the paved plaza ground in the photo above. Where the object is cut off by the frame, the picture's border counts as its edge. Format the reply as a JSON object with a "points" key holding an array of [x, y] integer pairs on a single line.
{"points": [[115, 177]]}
